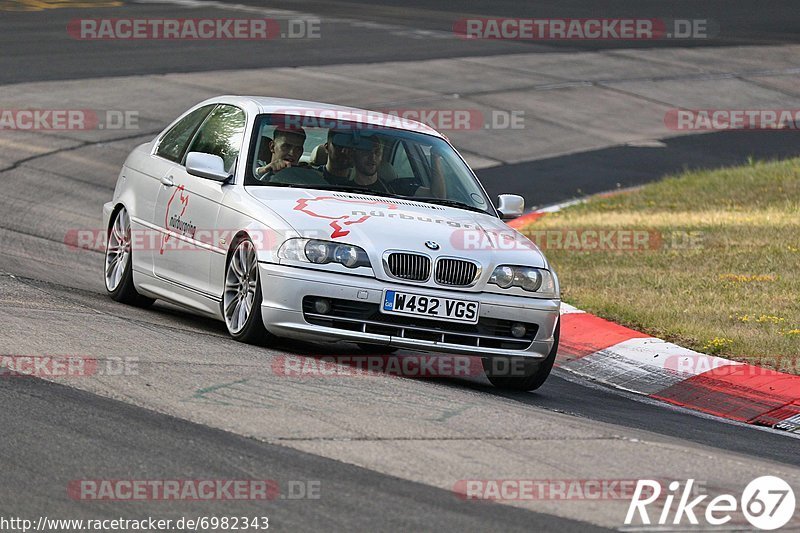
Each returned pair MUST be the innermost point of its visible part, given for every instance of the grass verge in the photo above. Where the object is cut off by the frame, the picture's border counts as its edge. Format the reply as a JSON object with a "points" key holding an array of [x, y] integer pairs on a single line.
{"points": [[709, 260]]}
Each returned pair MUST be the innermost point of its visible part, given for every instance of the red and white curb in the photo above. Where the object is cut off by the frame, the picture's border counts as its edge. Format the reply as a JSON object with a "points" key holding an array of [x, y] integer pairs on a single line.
{"points": [[633, 361]]}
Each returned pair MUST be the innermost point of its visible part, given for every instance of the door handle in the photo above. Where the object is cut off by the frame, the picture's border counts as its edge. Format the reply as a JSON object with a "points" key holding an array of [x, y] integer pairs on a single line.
{"points": [[167, 181]]}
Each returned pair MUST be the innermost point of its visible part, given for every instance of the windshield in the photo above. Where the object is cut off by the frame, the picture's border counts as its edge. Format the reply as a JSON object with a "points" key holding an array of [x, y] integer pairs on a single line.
{"points": [[294, 151]]}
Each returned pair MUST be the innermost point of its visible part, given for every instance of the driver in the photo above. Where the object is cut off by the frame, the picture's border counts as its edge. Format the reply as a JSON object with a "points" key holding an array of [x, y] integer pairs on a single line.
{"points": [[286, 148]]}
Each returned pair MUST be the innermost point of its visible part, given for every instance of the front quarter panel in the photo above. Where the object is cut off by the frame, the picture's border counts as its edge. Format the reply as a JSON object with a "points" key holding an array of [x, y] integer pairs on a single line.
{"points": [[241, 214]]}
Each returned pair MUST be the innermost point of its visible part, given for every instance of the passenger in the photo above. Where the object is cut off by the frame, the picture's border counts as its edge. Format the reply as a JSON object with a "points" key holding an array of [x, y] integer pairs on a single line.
{"points": [[367, 157], [336, 170], [286, 148]]}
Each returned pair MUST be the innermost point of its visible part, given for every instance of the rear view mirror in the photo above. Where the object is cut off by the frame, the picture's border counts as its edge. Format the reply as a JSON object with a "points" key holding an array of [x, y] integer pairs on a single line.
{"points": [[510, 206]]}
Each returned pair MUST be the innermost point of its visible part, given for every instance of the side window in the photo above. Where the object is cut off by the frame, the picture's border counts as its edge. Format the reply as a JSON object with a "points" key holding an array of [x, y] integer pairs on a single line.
{"points": [[221, 134], [401, 164], [173, 143]]}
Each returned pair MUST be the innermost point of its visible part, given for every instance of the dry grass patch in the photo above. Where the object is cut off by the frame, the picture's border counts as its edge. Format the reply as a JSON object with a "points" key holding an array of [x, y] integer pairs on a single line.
{"points": [[720, 271]]}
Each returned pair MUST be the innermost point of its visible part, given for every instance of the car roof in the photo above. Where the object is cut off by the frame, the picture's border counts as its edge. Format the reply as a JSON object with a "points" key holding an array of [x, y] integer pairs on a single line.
{"points": [[325, 112]]}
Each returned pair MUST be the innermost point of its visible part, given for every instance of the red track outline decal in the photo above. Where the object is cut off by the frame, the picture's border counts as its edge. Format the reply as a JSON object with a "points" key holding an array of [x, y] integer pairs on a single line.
{"points": [[185, 201], [337, 223]]}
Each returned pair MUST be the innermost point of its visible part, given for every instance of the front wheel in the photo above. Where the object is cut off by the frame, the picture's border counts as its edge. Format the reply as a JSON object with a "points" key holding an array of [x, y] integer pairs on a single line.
{"points": [[241, 301], [519, 373], [119, 263]]}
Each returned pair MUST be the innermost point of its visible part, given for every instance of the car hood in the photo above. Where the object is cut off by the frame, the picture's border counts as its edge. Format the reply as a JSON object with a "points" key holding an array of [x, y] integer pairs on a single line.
{"points": [[378, 224]]}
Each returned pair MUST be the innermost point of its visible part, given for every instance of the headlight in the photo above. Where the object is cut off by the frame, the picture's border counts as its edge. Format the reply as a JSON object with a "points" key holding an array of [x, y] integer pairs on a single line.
{"points": [[292, 249], [527, 278], [530, 279], [346, 255], [503, 276], [323, 252], [318, 252]]}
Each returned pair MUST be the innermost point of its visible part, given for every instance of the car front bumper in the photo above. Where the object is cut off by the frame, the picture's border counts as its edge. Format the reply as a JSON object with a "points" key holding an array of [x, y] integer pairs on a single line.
{"points": [[285, 287]]}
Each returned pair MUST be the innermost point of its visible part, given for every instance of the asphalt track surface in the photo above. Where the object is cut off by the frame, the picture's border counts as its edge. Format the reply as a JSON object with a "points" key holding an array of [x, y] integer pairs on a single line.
{"points": [[606, 169], [52, 433], [137, 444], [36, 47]]}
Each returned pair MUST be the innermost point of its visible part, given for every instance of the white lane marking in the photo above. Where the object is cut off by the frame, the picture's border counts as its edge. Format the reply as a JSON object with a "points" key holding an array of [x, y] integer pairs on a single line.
{"points": [[267, 12], [563, 205], [647, 143], [567, 309], [558, 207]]}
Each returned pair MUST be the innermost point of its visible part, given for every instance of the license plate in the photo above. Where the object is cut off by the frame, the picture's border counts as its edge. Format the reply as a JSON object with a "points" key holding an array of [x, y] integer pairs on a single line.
{"points": [[403, 303]]}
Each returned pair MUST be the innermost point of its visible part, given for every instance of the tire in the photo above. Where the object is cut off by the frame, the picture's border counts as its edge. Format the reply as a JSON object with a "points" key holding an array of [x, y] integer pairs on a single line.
{"points": [[118, 263], [534, 373], [241, 299], [377, 349]]}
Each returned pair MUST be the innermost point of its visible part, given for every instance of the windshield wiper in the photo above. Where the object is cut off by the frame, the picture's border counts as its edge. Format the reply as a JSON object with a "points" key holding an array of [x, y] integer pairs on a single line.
{"points": [[362, 190], [279, 184], [450, 203]]}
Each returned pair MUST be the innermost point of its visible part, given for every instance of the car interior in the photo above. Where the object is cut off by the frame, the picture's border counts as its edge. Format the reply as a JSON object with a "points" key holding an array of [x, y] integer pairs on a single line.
{"points": [[394, 165], [407, 165]]}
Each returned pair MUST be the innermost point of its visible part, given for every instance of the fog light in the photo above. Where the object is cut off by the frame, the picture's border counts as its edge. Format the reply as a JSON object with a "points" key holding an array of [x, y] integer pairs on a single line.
{"points": [[322, 306], [518, 330]]}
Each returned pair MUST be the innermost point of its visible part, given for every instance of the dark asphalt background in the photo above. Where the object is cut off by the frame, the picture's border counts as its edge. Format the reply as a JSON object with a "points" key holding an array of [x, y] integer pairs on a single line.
{"points": [[36, 45], [53, 434]]}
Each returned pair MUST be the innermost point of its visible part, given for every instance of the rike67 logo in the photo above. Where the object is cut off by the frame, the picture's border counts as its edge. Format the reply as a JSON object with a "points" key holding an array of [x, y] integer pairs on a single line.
{"points": [[767, 503]]}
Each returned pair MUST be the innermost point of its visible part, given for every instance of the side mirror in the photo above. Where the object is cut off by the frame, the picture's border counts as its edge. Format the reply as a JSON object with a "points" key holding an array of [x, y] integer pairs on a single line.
{"points": [[207, 166], [510, 206]]}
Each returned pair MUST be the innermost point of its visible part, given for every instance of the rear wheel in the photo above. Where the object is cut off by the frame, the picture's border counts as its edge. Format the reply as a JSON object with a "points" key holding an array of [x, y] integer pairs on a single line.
{"points": [[519, 373], [241, 301], [119, 263]]}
